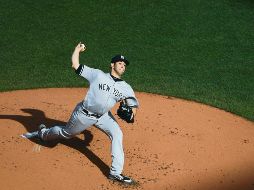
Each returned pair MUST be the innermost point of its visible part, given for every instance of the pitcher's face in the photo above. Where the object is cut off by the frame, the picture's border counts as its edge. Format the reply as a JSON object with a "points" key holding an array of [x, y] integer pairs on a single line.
{"points": [[118, 67]]}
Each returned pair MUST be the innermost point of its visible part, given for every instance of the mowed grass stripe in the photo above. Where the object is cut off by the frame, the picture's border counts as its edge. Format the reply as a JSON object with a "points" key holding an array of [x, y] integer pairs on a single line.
{"points": [[197, 50]]}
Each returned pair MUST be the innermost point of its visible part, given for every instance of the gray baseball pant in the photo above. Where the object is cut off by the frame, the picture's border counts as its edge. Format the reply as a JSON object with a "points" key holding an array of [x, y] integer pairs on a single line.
{"points": [[79, 121]]}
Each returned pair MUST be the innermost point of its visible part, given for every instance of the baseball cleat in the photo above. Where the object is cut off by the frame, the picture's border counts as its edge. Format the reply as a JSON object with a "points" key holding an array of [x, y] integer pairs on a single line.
{"points": [[121, 178], [35, 134], [30, 135]]}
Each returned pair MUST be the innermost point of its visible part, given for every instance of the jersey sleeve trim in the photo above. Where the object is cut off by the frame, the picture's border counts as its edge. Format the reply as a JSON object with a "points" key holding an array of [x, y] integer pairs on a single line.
{"points": [[79, 69]]}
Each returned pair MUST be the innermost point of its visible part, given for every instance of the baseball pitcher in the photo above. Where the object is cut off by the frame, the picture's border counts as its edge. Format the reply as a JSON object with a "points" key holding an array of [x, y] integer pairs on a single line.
{"points": [[105, 90]]}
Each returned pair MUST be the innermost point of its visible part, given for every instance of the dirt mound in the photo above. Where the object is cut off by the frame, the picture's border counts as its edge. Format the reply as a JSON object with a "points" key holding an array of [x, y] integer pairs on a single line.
{"points": [[174, 144]]}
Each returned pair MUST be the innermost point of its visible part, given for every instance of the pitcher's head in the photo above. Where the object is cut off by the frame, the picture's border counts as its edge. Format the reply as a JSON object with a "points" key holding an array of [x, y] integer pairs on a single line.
{"points": [[118, 65]]}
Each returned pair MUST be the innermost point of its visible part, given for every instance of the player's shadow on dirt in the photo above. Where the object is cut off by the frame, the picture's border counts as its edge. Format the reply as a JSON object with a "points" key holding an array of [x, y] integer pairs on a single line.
{"points": [[36, 117]]}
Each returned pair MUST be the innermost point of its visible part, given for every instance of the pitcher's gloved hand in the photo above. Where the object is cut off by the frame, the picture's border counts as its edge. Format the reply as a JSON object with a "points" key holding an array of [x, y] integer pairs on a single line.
{"points": [[125, 112]]}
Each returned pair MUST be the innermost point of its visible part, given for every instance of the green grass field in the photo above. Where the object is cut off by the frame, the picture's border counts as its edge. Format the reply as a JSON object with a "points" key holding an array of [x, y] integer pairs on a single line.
{"points": [[192, 49]]}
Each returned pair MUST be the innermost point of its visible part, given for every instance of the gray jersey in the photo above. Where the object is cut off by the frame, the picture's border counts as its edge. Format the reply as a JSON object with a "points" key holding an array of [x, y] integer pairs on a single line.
{"points": [[105, 90]]}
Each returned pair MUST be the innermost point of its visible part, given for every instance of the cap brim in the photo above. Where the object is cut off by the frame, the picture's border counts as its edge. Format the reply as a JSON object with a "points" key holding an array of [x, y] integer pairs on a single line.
{"points": [[124, 60]]}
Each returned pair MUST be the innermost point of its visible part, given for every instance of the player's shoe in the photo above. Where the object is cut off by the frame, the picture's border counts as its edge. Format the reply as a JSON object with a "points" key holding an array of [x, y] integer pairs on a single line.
{"points": [[121, 178], [36, 134]]}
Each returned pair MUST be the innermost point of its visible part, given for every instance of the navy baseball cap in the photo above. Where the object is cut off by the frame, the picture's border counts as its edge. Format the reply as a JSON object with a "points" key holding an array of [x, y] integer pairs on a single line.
{"points": [[120, 58]]}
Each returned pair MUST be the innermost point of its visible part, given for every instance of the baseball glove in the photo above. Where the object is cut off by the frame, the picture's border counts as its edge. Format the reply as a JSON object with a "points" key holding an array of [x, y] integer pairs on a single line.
{"points": [[125, 112]]}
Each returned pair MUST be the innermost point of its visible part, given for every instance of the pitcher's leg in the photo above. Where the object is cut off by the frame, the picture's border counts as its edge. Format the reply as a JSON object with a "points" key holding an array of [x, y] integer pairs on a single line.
{"points": [[108, 124], [53, 133], [77, 123]]}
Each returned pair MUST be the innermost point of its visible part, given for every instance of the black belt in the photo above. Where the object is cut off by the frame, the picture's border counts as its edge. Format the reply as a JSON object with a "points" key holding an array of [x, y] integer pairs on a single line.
{"points": [[91, 114]]}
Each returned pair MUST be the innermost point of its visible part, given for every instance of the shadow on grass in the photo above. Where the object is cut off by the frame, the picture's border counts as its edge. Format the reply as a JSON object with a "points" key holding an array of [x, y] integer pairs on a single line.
{"points": [[37, 117]]}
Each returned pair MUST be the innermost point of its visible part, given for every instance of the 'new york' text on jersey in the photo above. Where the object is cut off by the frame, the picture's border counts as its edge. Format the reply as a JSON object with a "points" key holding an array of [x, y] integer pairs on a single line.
{"points": [[105, 90]]}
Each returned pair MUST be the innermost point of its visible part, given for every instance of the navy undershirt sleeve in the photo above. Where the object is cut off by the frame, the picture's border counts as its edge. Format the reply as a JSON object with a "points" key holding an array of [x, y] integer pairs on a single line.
{"points": [[78, 71]]}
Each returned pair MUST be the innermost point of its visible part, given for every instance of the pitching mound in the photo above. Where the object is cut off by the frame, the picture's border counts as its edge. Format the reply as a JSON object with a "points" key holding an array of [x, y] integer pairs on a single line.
{"points": [[174, 144]]}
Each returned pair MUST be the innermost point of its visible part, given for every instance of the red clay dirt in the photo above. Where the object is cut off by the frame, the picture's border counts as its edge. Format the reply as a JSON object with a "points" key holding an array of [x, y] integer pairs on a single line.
{"points": [[174, 144]]}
